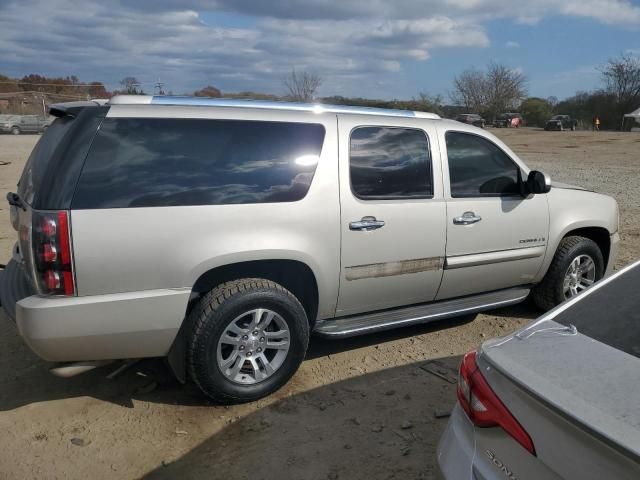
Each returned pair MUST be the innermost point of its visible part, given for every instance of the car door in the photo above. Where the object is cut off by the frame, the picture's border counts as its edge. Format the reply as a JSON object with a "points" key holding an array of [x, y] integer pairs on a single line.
{"points": [[392, 213], [496, 238]]}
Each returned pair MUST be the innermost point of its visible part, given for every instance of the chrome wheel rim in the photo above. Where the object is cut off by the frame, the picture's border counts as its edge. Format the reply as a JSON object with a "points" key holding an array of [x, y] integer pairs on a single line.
{"points": [[580, 275], [253, 346]]}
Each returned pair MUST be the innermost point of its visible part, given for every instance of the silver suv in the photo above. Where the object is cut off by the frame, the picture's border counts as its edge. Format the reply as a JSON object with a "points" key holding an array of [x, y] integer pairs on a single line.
{"points": [[17, 124], [222, 233]]}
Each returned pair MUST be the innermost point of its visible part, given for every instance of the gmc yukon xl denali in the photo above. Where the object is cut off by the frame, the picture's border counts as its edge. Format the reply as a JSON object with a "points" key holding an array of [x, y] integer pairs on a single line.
{"points": [[220, 234]]}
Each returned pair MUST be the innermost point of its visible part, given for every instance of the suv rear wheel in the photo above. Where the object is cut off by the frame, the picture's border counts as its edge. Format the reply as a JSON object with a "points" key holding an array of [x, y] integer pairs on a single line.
{"points": [[15, 130], [247, 338], [577, 264]]}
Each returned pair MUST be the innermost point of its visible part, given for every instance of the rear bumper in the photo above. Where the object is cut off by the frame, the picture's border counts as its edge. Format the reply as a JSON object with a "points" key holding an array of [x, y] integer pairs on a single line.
{"points": [[456, 448], [98, 327], [102, 327]]}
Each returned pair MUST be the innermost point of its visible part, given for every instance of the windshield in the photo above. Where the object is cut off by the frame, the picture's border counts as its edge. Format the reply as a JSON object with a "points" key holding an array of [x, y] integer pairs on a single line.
{"points": [[557, 117], [611, 314]]}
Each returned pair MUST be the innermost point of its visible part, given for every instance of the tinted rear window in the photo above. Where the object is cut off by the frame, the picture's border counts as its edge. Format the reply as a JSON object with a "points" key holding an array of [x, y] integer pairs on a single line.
{"points": [[389, 163], [610, 314], [41, 155], [168, 162]]}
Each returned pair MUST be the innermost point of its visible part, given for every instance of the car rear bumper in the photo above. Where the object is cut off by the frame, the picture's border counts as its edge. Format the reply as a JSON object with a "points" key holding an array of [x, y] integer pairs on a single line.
{"points": [[456, 448], [95, 327]]}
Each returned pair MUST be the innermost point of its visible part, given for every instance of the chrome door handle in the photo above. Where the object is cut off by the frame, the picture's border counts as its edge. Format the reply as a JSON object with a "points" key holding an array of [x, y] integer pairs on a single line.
{"points": [[366, 224], [467, 218]]}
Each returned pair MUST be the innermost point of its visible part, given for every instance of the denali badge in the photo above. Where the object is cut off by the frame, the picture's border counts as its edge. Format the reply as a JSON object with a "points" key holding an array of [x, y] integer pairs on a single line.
{"points": [[532, 240], [501, 466]]}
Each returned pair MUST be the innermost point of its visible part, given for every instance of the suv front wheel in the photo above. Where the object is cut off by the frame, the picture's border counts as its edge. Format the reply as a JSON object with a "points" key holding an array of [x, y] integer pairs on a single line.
{"points": [[246, 340], [577, 264]]}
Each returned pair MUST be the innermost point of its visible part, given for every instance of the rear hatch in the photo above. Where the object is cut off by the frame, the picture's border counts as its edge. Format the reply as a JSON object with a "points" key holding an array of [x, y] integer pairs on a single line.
{"points": [[572, 379], [46, 186]]}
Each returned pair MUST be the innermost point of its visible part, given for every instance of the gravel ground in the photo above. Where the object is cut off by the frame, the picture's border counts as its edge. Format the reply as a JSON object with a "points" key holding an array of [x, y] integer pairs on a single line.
{"points": [[357, 409]]}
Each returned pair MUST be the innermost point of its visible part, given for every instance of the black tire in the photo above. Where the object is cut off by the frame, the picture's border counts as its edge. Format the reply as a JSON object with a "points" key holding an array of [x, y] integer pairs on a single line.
{"points": [[549, 293], [15, 130], [214, 313]]}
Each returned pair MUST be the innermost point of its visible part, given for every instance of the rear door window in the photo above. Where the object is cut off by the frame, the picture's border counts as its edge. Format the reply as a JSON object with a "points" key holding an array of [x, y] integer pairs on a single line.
{"points": [[389, 163], [149, 162]]}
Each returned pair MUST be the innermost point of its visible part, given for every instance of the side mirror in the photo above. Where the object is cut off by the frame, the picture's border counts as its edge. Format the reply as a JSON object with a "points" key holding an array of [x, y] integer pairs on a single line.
{"points": [[538, 182]]}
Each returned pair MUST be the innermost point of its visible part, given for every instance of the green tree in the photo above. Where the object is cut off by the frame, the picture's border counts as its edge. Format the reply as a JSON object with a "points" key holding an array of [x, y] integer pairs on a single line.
{"points": [[536, 111]]}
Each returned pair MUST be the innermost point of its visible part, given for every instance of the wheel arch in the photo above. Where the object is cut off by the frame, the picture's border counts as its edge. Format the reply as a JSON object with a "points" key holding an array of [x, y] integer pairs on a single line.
{"points": [[600, 235], [294, 275]]}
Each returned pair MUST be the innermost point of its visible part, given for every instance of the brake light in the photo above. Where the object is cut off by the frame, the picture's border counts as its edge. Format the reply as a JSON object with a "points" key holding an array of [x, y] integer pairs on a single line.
{"points": [[52, 253], [482, 405]]}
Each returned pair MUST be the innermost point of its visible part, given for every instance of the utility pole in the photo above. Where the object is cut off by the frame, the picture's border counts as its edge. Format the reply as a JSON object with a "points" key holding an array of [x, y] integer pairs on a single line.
{"points": [[160, 87]]}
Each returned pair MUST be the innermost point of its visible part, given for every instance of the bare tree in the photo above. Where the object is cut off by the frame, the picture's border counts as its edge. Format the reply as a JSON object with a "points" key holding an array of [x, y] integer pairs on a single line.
{"points": [[131, 86], [302, 86], [490, 92], [505, 87], [208, 91], [622, 79], [429, 103], [469, 89]]}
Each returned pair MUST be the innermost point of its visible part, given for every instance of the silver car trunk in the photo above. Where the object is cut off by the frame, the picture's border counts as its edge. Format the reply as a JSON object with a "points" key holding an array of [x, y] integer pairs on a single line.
{"points": [[577, 381]]}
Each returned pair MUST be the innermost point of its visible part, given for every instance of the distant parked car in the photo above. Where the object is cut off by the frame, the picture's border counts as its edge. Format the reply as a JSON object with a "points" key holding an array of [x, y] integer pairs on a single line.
{"points": [[17, 124], [472, 119], [558, 399], [561, 122], [508, 120]]}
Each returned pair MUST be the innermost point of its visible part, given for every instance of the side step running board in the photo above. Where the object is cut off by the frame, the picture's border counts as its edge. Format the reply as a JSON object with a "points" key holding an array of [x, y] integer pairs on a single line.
{"points": [[387, 319]]}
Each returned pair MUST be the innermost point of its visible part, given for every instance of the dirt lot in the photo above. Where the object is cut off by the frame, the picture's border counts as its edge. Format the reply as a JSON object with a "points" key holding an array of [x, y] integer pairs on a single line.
{"points": [[364, 408]]}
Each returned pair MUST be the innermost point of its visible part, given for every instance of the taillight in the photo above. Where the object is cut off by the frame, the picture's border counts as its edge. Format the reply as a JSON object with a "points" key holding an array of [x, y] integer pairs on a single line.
{"points": [[483, 406], [52, 252]]}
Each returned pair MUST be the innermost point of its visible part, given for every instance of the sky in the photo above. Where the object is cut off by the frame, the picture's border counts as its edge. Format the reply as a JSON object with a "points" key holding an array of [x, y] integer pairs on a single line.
{"points": [[370, 48]]}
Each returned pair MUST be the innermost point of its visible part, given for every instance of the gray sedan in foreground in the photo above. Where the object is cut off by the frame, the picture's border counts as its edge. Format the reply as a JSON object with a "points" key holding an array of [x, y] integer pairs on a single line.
{"points": [[560, 398]]}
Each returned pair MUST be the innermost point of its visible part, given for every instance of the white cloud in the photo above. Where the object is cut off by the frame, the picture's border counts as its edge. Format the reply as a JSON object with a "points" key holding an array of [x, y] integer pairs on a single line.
{"points": [[356, 45], [512, 44]]}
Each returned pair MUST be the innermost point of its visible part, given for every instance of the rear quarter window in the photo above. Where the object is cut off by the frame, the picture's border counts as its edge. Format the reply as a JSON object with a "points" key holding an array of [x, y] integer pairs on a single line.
{"points": [[171, 162], [41, 155]]}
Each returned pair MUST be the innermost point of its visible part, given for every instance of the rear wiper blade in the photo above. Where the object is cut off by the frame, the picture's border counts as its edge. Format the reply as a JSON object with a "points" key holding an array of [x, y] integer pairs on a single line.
{"points": [[15, 200]]}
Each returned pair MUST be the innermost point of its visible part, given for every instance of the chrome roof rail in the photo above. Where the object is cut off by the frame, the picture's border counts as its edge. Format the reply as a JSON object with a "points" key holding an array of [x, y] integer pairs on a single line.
{"points": [[263, 104]]}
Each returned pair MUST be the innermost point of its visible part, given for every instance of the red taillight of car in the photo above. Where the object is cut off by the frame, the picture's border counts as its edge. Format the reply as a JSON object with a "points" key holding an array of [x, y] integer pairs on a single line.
{"points": [[52, 252], [482, 405]]}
